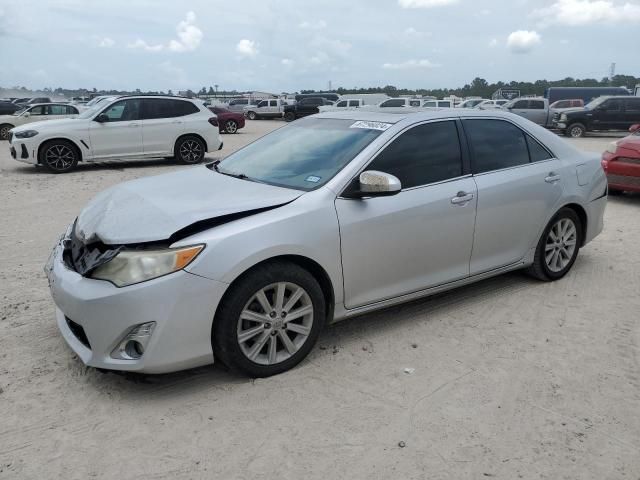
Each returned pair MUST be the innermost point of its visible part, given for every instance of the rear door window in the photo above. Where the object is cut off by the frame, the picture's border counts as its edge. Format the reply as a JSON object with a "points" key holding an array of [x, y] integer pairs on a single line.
{"points": [[57, 109], [396, 102], [524, 104], [495, 144], [536, 104], [632, 105], [354, 103]]}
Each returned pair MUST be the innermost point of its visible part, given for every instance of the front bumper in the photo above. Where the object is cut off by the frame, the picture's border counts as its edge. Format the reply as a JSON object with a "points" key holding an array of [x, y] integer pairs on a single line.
{"points": [[23, 150], [94, 315]]}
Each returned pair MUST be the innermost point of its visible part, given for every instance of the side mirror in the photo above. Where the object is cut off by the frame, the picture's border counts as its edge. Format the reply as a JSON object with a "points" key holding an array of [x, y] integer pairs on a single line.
{"points": [[102, 118], [634, 128], [374, 184]]}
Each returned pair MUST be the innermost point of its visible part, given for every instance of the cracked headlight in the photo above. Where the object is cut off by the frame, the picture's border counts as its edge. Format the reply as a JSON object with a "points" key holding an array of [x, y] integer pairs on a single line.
{"points": [[26, 134], [135, 266]]}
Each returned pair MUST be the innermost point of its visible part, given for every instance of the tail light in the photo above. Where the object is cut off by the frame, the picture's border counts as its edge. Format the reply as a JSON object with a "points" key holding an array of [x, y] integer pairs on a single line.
{"points": [[213, 121]]}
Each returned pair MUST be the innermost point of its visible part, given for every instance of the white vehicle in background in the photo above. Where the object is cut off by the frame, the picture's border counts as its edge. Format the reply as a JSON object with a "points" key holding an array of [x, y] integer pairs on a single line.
{"points": [[401, 102], [437, 104], [127, 127], [491, 104], [272, 108], [35, 113], [353, 101], [471, 102]]}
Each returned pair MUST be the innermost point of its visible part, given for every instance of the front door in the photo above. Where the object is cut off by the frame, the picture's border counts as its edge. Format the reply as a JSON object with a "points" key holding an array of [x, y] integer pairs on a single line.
{"points": [[121, 136], [422, 236], [519, 183]]}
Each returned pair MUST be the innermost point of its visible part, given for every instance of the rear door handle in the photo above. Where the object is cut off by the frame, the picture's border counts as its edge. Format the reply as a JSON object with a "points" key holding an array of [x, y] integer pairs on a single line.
{"points": [[552, 178], [461, 198], [134, 125]]}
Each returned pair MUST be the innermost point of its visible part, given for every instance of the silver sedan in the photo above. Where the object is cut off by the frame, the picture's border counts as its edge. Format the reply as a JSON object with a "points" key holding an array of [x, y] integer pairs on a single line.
{"points": [[246, 259]]}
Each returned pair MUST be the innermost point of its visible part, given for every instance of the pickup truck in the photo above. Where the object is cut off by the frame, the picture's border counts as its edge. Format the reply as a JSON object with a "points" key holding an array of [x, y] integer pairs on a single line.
{"points": [[603, 113], [265, 109], [535, 109], [306, 106]]}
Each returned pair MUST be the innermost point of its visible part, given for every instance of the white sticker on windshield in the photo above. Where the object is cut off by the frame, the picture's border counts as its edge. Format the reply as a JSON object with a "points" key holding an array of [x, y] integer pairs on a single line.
{"points": [[312, 178], [371, 125]]}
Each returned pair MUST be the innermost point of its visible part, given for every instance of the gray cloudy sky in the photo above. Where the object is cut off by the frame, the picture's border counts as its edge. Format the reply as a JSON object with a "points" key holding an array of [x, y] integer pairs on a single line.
{"points": [[287, 45]]}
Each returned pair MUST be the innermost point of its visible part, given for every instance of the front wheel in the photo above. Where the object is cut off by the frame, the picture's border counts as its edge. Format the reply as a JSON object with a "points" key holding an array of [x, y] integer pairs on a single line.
{"points": [[289, 116], [558, 246], [190, 150], [576, 130], [269, 320], [4, 131], [58, 156]]}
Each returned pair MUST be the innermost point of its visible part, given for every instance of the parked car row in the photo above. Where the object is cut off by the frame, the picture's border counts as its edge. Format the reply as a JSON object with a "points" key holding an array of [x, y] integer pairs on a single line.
{"points": [[35, 113]]}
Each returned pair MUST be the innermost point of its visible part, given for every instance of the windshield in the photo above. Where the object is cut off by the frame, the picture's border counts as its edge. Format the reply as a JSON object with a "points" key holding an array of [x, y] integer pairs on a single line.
{"points": [[303, 155], [595, 102], [20, 112], [89, 113]]}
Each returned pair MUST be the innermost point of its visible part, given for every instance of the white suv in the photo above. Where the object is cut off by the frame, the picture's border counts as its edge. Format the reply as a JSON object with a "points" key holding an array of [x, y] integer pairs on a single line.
{"points": [[125, 128]]}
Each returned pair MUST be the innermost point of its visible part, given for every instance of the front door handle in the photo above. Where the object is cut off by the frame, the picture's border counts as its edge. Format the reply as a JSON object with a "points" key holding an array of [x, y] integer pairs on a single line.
{"points": [[552, 177], [133, 125], [462, 198]]}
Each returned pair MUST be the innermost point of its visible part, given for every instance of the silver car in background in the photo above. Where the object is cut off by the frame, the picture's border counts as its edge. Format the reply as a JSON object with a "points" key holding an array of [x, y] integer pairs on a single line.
{"points": [[332, 216]]}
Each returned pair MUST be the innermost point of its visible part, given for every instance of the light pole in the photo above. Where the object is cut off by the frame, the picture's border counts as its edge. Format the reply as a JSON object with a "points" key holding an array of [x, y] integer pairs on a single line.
{"points": [[216, 87]]}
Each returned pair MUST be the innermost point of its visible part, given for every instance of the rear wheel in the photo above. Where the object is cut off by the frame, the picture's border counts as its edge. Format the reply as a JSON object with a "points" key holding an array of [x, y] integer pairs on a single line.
{"points": [[58, 156], [576, 130], [190, 150], [269, 320], [4, 131], [230, 126], [252, 115], [558, 246]]}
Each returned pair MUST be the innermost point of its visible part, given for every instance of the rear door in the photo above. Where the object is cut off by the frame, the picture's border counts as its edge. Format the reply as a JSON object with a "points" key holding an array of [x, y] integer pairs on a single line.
{"points": [[537, 112], [631, 112], [519, 184], [608, 115], [162, 124], [121, 136]]}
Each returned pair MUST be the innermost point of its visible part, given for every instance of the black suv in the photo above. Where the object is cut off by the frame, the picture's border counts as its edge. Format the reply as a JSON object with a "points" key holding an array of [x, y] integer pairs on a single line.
{"points": [[306, 106], [603, 113]]}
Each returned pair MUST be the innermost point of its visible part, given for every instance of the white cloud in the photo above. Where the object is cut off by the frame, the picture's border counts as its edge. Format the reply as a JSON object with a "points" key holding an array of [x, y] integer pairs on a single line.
{"points": [[587, 12], [106, 42], [493, 42], [523, 41], [139, 43], [247, 48], [189, 35], [189, 38], [413, 33], [319, 25], [287, 62], [425, 3], [410, 64]]}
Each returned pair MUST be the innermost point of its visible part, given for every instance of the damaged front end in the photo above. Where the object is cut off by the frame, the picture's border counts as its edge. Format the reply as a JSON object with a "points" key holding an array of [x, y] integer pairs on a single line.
{"points": [[83, 258]]}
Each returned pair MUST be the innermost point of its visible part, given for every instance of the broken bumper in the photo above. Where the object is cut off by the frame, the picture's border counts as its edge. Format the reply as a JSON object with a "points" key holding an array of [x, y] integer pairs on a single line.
{"points": [[94, 316]]}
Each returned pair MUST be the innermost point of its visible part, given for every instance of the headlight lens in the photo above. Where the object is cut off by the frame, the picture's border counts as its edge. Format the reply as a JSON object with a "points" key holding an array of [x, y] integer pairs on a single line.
{"points": [[563, 117], [135, 266], [612, 147], [26, 134]]}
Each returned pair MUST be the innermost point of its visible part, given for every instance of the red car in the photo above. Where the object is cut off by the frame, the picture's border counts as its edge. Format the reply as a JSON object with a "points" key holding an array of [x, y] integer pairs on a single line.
{"points": [[621, 162], [228, 121]]}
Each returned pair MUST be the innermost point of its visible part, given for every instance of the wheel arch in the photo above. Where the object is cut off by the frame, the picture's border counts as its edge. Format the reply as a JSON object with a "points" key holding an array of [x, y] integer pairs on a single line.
{"points": [[314, 268], [582, 215], [175, 144], [66, 139]]}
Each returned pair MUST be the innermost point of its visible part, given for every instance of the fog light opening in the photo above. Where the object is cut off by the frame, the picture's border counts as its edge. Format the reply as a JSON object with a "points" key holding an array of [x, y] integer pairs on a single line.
{"points": [[134, 343], [134, 349]]}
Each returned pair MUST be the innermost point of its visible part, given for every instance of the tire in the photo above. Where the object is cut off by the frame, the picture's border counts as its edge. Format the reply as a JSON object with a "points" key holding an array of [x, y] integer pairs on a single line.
{"points": [[58, 156], [576, 130], [554, 257], [289, 116], [264, 351], [231, 126], [252, 115], [4, 131], [189, 150]]}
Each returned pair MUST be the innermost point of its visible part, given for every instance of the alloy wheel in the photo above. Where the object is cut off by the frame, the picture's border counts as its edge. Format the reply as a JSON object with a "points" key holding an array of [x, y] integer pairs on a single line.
{"points": [[4, 132], [191, 151], [560, 245], [59, 157], [231, 126], [275, 323], [575, 132]]}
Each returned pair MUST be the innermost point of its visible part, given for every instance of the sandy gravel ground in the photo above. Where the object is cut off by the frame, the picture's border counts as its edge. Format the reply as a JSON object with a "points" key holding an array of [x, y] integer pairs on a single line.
{"points": [[513, 378]]}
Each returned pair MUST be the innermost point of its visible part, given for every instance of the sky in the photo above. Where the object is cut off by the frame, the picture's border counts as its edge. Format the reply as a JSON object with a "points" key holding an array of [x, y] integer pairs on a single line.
{"points": [[289, 45]]}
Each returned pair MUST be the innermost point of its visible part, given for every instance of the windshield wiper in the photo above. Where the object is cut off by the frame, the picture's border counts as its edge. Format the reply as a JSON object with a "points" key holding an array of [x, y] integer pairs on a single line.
{"points": [[241, 176]]}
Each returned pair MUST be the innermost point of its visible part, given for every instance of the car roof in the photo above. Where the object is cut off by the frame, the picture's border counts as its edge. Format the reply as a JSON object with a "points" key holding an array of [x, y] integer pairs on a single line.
{"points": [[49, 103], [395, 115]]}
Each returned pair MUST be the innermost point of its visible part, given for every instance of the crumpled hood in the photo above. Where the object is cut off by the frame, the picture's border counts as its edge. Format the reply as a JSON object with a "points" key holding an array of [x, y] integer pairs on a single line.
{"points": [[153, 208]]}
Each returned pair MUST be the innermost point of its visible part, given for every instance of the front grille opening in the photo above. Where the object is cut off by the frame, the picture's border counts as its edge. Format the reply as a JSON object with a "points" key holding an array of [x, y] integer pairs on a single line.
{"points": [[78, 331]]}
